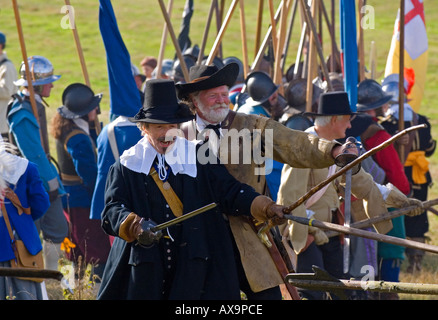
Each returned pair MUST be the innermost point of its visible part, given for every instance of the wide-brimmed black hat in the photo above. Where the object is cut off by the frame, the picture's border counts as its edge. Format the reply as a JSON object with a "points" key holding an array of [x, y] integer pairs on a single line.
{"points": [[370, 95], [333, 103], [161, 105], [78, 100], [204, 77]]}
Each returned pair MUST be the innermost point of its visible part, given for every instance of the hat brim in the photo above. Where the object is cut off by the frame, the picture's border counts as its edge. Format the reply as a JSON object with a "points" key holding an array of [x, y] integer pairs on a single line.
{"points": [[315, 114], [162, 118], [365, 107], [66, 113], [22, 82], [225, 76]]}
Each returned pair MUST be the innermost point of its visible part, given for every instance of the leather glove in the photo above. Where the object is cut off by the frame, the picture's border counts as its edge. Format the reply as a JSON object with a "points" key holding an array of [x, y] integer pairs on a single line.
{"points": [[137, 228], [320, 237], [348, 153], [264, 208], [397, 199]]}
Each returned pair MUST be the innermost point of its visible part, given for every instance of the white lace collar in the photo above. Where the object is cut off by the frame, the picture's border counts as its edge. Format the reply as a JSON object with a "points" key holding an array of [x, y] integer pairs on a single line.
{"points": [[181, 157]]}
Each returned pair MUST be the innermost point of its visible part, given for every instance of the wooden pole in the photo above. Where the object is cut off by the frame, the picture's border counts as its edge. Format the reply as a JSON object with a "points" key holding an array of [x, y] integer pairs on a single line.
{"points": [[26, 64], [262, 48], [243, 36], [289, 34], [82, 61], [273, 25], [258, 26], [175, 41], [312, 62], [220, 35], [163, 41], [207, 28], [317, 42], [401, 81], [278, 76]]}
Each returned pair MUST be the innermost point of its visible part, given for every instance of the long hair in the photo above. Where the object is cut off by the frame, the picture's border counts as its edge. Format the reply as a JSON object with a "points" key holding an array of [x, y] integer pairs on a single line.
{"points": [[59, 124]]}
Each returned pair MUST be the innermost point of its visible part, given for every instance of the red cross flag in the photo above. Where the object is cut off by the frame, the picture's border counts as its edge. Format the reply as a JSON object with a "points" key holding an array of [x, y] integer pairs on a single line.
{"points": [[416, 49]]}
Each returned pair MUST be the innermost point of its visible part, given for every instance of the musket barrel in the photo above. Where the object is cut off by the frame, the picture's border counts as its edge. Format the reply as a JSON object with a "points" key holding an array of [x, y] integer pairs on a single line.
{"points": [[183, 217]]}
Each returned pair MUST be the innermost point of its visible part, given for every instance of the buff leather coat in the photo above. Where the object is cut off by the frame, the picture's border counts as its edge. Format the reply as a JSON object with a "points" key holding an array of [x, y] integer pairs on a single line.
{"points": [[292, 147]]}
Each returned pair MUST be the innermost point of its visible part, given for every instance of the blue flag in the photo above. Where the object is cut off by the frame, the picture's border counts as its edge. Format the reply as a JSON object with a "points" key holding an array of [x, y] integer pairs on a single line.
{"points": [[124, 96], [349, 57]]}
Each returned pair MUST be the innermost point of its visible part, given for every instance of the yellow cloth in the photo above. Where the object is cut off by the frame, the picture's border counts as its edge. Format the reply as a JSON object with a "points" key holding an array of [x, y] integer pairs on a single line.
{"points": [[420, 166]]}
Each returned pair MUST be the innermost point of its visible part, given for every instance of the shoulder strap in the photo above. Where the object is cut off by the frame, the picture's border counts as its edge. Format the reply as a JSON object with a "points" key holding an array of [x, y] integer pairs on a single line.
{"points": [[112, 140], [8, 223], [172, 199], [3, 61]]}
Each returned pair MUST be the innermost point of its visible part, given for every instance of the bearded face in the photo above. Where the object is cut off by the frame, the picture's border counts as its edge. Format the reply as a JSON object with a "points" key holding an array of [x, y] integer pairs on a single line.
{"points": [[213, 105]]}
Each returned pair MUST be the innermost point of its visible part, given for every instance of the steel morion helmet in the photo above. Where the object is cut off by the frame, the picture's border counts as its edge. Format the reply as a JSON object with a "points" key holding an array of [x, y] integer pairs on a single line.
{"points": [[41, 71], [370, 95], [390, 86]]}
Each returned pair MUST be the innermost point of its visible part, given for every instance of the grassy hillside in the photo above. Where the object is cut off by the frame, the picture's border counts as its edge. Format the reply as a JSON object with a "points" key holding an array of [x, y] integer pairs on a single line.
{"points": [[141, 25]]}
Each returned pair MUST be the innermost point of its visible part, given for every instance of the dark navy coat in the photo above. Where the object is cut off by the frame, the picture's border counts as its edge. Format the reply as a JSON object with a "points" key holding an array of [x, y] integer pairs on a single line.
{"points": [[205, 267]]}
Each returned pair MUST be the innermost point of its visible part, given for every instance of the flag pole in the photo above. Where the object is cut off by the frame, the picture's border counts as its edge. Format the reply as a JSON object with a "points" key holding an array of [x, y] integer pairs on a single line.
{"points": [[401, 81]]}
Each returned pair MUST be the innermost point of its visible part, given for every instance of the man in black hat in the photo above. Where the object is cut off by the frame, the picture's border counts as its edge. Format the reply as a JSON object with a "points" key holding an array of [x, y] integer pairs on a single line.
{"points": [[311, 244], [207, 94], [161, 178]]}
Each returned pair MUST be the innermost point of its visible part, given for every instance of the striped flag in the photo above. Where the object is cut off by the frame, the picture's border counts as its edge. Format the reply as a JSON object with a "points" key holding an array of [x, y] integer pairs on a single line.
{"points": [[416, 49]]}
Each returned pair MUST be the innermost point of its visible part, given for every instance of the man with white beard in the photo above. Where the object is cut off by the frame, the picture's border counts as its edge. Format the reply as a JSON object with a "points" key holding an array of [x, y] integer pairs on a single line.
{"points": [[207, 94]]}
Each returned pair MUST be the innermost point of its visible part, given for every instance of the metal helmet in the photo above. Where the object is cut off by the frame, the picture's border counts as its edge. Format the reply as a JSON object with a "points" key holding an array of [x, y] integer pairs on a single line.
{"points": [[390, 86], [177, 74], [240, 77], [370, 95], [296, 94], [166, 68], [260, 86], [41, 71]]}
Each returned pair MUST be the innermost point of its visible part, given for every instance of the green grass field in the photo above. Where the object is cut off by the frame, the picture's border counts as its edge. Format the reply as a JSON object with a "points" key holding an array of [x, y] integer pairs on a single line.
{"points": [[141, 25]]}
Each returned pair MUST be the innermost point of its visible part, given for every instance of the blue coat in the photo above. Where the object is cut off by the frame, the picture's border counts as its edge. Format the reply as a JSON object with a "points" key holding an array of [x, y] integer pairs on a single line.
{"points": [[26, 132], [83, 155], [31, 193], [126, 135]]}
